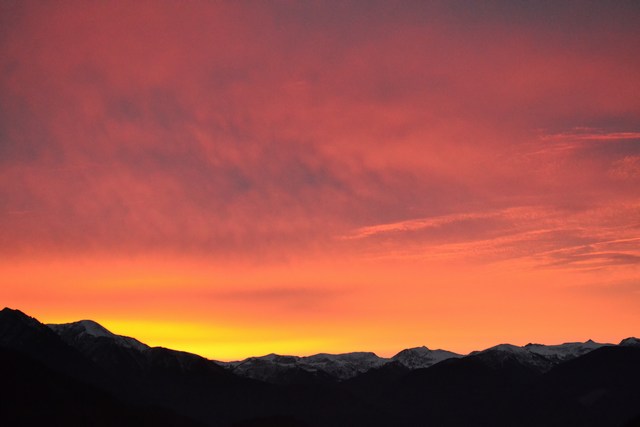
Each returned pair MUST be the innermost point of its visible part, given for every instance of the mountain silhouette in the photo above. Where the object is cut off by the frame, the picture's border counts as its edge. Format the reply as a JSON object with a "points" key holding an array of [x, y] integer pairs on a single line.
{"points": [[82, 374]]}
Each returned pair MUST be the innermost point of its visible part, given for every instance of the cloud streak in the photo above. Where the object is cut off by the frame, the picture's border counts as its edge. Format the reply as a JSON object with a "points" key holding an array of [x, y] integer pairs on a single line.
{"points": [[588, 134], [545, 237]]}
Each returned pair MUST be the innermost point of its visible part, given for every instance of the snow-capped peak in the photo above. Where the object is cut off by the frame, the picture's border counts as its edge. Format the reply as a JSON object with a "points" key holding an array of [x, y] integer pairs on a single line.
{"points": [[89, 328], [510, 348], [341, 366], [95, 329], [344, 365], [422, 357], [565, 351], [541, 356], [356, 357], [630, 342]]}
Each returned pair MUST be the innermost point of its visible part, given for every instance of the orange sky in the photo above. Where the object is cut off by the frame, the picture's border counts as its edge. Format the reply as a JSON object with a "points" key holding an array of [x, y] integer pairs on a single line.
{"points": [[240, 178]]}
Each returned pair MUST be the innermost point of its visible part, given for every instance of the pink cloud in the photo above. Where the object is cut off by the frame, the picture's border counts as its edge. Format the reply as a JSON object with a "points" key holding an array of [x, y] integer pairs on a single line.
{"points": [[251, 132]]}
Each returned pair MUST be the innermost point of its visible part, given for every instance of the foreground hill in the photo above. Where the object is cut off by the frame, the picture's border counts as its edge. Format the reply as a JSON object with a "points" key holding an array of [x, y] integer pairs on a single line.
{"points": [[82, 374]]}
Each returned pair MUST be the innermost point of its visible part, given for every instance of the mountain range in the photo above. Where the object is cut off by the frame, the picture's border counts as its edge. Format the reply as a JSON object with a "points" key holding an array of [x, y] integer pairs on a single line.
{"points": [[82, 374]]}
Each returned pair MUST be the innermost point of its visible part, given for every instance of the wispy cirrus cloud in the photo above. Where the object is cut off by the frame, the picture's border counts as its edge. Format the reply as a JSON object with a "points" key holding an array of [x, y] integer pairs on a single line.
{"points": [[585, 139], [546, 237], [417, 224], [590, 134]]}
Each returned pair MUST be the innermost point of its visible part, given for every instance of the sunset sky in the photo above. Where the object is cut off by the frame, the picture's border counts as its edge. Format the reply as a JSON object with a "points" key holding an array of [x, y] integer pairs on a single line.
{"points": [[245, 177]]}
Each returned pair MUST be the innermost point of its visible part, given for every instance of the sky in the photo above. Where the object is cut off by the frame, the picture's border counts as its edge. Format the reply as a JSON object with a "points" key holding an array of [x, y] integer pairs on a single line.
{"points": [[245, 177]]}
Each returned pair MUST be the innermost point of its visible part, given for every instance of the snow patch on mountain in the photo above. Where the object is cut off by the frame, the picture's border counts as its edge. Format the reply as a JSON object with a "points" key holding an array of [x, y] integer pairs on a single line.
{"points": [[630, 342], [83, 328], [422, 357], [566, 351], [339, 366], [539, 356], [343, 366]]}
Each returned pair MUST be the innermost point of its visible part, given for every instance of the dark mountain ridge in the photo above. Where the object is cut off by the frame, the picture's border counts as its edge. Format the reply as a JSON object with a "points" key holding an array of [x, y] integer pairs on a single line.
{"points": [[81, 373]]}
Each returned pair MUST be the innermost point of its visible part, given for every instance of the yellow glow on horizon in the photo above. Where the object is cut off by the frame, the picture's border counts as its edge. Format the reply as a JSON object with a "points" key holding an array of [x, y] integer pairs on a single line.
{"points": [[325, 306], [210, 341]]}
